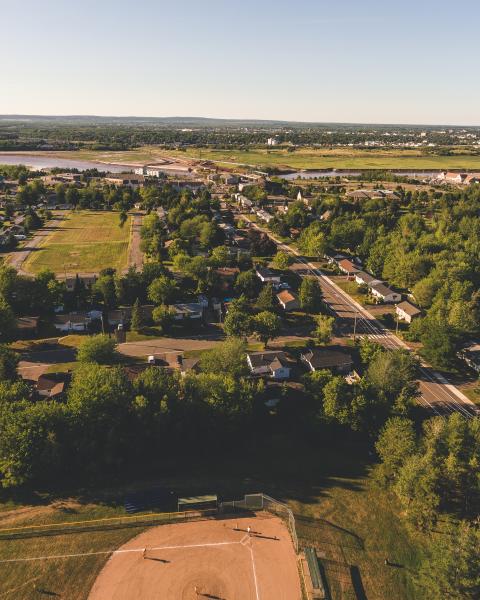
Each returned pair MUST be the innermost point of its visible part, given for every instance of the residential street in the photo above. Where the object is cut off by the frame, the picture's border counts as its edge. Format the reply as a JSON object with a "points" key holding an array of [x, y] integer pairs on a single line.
{"points": [[437, 393]]}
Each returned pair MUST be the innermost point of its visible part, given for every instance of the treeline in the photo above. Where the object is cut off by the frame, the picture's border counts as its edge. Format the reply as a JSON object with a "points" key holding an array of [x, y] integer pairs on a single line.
{"points": [[122, 136], [108, 423], [423, 243]]}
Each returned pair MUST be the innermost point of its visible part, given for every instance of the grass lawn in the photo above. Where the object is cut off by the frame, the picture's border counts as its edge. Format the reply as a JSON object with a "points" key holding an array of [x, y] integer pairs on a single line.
{"points": [[303, 158], [353, 524], [87, 241]]}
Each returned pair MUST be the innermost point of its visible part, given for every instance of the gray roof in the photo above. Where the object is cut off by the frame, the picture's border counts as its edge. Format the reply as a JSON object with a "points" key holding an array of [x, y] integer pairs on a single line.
{"points": [[409, 309], [327, 358], [273, 359], [382, 289], [366, 277]]}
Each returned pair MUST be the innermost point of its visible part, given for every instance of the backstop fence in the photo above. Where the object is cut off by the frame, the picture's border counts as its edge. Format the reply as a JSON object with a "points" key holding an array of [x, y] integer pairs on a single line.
{"points": [[263, 502]]}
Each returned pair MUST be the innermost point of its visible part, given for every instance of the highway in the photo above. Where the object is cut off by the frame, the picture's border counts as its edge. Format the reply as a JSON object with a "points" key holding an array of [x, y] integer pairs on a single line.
{"points": [[436, 393]]}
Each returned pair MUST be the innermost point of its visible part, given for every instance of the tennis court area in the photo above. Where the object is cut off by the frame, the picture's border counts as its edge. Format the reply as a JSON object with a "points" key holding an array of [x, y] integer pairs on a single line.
{"points": [[249, 558]]}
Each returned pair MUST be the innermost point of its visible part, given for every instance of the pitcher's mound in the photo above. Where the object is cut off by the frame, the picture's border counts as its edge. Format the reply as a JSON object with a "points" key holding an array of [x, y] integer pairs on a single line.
{"points": [[210, 560]]}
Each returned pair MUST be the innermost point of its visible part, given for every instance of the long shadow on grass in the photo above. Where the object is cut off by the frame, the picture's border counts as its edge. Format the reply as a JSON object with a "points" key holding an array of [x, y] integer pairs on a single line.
{"points": [[357, 583]]}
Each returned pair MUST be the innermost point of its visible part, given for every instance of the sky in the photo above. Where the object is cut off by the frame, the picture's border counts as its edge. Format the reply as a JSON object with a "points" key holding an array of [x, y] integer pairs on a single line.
{"points": [[356, 61]]}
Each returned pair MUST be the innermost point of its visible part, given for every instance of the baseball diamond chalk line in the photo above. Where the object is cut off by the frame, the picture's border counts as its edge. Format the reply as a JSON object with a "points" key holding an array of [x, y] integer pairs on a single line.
{"points": [[114, 552]]}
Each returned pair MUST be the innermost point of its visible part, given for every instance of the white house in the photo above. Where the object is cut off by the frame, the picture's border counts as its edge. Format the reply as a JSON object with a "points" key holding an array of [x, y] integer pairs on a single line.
{"points": [[266, 275], [71, 322], [264, 215], [272, 364], [189, 310], [364, 278], [407, 311], [384, 293]]}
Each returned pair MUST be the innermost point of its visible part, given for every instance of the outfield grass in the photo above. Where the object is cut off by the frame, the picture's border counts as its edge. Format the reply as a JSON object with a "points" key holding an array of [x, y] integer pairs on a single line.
{"points": [[303, 158], [87, 241], [354, 526]]}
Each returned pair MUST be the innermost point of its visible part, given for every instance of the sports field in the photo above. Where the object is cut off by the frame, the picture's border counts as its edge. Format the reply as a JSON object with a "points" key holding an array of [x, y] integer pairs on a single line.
{"points": [[85, 242], [216, 559]]}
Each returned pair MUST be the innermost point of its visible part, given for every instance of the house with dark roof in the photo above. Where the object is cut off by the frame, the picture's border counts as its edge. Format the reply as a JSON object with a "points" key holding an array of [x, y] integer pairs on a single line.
{"points": [[188, 310], [330, 358], [471, 355], [383, 293], [272, 364], [364, 278], [267, 275], [406, 311], [72, 322]]}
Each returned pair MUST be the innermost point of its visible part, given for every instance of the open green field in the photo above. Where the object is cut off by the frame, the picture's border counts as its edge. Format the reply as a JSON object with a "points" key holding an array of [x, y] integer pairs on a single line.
{"points": [[87, 241], [303, 158], [353, 524]]}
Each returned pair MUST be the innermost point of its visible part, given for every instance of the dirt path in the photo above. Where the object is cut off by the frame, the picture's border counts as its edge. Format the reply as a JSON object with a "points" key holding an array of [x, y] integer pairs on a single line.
{"points": [[18, 257], [135, 255]]}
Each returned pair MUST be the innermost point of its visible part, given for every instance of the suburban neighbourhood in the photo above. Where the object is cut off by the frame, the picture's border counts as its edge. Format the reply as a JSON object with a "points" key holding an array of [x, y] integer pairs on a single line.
{"points": [[240, 301]]}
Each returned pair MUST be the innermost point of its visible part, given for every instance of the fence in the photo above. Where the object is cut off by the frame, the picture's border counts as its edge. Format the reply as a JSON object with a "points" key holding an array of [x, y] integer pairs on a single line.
{"points": [[145, 520], [264, 502]]}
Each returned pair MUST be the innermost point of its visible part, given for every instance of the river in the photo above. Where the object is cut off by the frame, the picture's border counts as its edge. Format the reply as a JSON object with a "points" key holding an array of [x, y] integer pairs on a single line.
{"points": [[38, 162]]}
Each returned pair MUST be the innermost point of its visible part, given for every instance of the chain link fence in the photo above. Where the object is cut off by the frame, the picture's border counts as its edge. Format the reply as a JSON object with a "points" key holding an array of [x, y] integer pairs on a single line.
{"points": [[264, 502]]}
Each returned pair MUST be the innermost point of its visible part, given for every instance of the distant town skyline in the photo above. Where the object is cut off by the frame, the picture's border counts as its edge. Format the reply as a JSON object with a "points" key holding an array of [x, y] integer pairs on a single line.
{"points": [[373, 62]]}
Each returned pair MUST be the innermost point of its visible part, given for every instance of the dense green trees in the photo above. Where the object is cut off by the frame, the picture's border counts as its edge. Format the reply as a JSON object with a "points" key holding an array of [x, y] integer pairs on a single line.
{"points": [[97, 349], [436, 472], [452, 567], [310, 295]]}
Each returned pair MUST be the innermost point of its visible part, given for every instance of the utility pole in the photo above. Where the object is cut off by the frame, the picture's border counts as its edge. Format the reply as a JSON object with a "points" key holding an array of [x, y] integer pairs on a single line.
{"points": [[355, 325]]}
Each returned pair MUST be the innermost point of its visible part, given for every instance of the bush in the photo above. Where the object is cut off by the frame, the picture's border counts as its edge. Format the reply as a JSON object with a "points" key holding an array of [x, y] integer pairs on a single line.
{"points": [[98, 349]]}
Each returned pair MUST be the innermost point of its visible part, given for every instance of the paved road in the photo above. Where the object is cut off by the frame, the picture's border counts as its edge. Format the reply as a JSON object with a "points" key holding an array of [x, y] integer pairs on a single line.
{"points": [[437, 394]]}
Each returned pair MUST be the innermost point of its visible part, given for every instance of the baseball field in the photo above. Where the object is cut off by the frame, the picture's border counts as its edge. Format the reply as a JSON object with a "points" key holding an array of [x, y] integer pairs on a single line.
{"points": [[84, 242]]}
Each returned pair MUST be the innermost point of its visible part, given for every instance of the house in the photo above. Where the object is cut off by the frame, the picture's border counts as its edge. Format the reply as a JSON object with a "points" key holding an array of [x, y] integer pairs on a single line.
{"points": [[273, 364], [191, 184], [372, 194], [384, 293], [244, 202], [267, 275], [346, 266], [264, 215], [364, 278], [407, 311], [72, 322], [471, 355], [86, 280], [189, 310], [27, 326], [229, 179], [53, 385], [329, 358], [128, 179], [455, 178], [288, 300]]}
